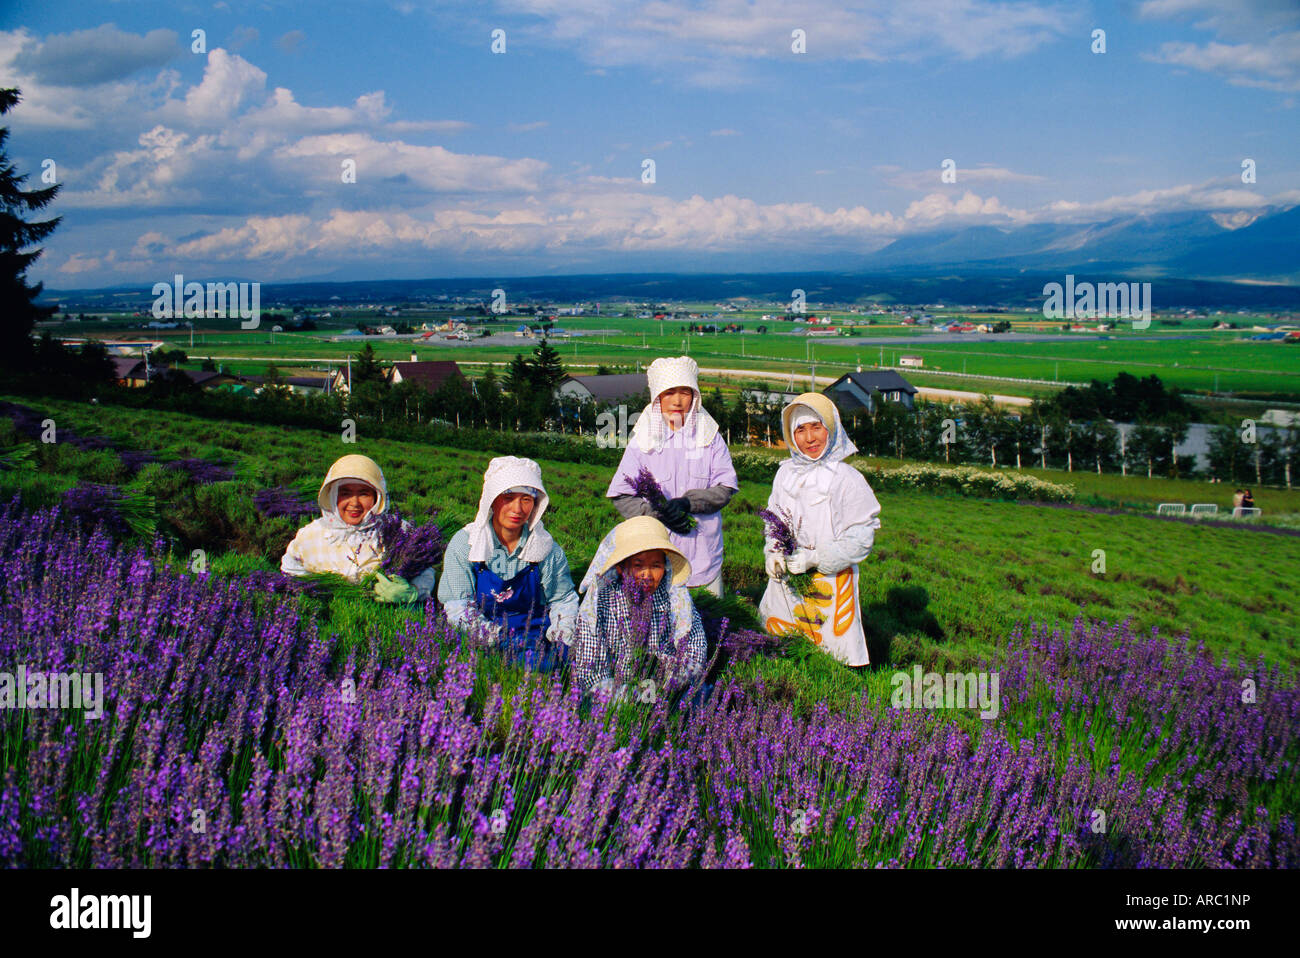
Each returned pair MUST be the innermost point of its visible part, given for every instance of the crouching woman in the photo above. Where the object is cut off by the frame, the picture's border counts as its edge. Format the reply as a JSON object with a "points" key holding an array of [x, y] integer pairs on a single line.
{"points": [[504, 574], [637, 620], [346, 540]]}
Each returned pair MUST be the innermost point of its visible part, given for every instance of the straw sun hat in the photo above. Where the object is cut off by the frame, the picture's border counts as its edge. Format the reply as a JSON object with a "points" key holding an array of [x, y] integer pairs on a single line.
{"points": [[360, 469], [640, 534]]}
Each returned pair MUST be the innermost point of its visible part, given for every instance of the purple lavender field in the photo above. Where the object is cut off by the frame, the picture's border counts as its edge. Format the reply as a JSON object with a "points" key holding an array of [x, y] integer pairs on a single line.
{"points": [[237, 731]]}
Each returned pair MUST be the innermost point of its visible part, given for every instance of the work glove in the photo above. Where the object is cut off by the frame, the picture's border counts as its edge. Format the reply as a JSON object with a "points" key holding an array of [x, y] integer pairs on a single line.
{"points": [[491, 632], [558, 631], [676, 515], [775, 565], [801, 561], [393, 589]]}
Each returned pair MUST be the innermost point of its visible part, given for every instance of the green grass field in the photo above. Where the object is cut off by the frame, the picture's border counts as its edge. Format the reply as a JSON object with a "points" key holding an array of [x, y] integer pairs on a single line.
{"points": [[1189, 357], [949, 575]]}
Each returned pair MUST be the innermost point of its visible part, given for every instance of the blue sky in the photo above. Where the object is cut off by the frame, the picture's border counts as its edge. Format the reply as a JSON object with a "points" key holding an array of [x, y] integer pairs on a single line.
{"points": [[228, 163]]}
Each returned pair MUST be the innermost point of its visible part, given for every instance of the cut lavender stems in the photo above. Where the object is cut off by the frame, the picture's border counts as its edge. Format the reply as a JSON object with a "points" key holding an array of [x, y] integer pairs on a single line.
{"points": [[647, 487]]}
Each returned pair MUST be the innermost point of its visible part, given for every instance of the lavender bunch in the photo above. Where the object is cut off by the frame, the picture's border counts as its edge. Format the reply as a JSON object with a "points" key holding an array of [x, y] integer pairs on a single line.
{"points": [[647, 487], [410, 548], [640, 605], [741, 643], [136, 459], [120, 513], [280, 501], [777, 526], [204, 472]]}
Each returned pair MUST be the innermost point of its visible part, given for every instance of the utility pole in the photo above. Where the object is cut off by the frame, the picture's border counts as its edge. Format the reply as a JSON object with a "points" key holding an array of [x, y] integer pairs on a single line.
{"points": [[349, 374]]}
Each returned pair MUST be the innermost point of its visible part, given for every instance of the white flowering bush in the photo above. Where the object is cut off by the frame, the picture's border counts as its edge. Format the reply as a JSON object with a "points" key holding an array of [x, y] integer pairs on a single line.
{"points": [[967, 481]]}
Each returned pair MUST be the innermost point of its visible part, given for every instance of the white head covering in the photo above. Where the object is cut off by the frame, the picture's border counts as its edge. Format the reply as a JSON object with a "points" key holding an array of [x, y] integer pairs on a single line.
{"points": [[801, 415], [511, 474], [815, 477], [651, 431]]}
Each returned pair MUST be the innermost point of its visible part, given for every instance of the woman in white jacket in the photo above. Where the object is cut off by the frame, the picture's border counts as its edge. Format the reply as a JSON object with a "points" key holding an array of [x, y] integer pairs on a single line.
{"points": [[834, 516], [345, 539]]}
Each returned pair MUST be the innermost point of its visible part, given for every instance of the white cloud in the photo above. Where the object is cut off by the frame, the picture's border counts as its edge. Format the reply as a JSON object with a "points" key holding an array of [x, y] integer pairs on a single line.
{"points": [[430, 168], [228, 82], [291, 41], [713, 39], [436, 126], [241, 37], [725, 131], [1256, 42], [942, 207], [921, 180], [287, 116], [1274, 65], [90, 57]]}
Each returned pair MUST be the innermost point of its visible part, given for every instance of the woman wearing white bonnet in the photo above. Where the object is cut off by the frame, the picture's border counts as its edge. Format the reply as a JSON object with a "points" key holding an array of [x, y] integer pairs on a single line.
{"points": [[834, 515], [679, 443], [504, 573], [345, 540]]}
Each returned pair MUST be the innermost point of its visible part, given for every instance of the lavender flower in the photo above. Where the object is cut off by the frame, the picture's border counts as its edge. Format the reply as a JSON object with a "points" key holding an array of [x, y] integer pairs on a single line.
{"points": [[120, 513], [203, 471], [136, 459], [304, 748], [647, 487], [281, 501], [777, 526], [409, 548]]}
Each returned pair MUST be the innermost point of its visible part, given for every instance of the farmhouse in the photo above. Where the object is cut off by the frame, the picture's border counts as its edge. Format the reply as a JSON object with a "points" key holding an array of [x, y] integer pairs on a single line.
{"points": [[299, 385], [431, 375], [207, 378], [858, 390], [605, 390], [129, 372]]}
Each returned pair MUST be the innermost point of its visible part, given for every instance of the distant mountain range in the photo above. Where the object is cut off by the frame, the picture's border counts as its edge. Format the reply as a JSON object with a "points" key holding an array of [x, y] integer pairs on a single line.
{"points": [[1261, 246], [1243, 259]]}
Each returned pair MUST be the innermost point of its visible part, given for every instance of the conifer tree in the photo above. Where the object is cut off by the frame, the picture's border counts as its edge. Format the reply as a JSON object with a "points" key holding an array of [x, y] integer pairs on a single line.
{"points": [[18, 311]]}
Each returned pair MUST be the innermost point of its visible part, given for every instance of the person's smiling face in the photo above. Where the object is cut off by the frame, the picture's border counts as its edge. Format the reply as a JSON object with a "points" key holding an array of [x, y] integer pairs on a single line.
{"points": [[675, 403], [355, 499], [811, 439]]}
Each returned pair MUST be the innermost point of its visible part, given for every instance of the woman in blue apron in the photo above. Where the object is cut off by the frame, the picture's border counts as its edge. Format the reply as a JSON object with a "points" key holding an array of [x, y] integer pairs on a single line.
{"points": [[505, 576], [519, 606]]}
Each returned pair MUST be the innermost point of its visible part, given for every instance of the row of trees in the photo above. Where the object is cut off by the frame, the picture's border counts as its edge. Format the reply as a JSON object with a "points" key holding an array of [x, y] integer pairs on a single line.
{"points": [[1073, 430]]}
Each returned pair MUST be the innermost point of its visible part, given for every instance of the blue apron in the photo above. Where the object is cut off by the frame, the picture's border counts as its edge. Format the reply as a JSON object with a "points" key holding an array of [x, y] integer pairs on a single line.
{"points": [[521, 603]]}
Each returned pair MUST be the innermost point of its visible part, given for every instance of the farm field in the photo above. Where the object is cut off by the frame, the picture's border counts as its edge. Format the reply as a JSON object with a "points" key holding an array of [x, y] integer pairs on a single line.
{"points": [[949, 576], [225, 691], [1218, 360], [1184, 357]]}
